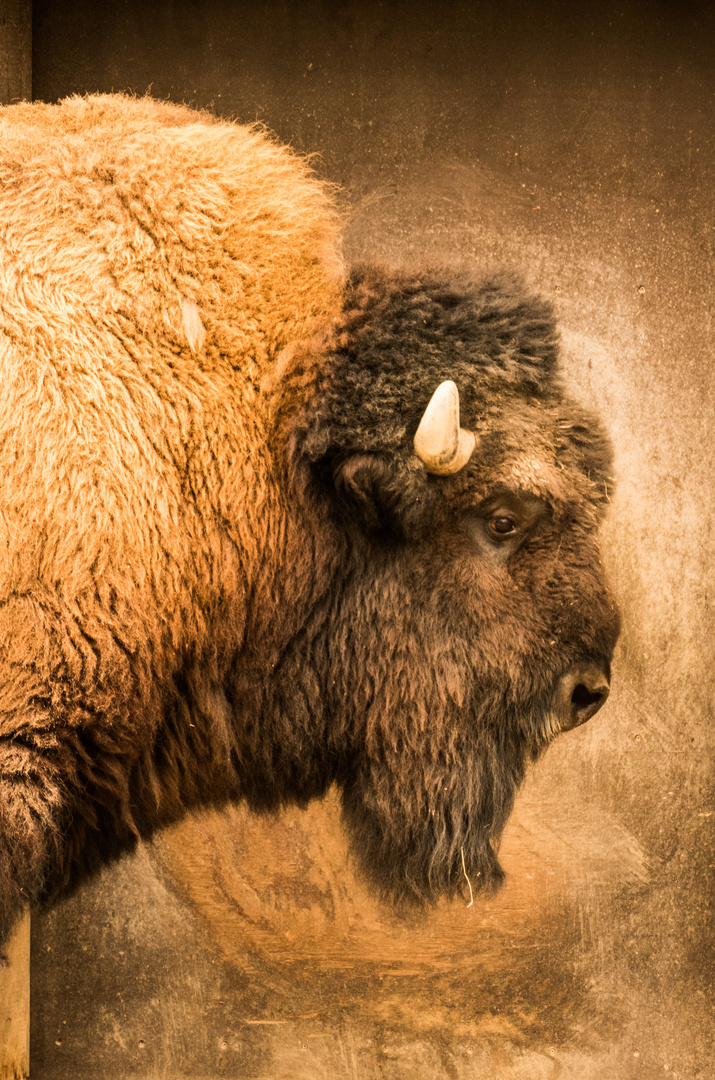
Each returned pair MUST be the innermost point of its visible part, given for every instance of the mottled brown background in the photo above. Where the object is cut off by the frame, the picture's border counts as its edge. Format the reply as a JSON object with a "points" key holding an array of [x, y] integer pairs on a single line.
{"points": [[573, 143]]}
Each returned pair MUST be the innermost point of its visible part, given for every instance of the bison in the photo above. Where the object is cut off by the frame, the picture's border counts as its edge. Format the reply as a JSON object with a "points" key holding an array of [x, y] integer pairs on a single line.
{"points": [[268, 527]]}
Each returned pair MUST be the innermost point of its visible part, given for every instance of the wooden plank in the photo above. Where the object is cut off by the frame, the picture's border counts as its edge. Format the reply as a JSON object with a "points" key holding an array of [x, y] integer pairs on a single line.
{"points": [[15, 1004], [15, 50]]}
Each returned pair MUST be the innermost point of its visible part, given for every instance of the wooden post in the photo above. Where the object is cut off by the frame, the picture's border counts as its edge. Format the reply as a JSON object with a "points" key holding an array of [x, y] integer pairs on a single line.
{"points": [[15, 1004], [15, 51]]}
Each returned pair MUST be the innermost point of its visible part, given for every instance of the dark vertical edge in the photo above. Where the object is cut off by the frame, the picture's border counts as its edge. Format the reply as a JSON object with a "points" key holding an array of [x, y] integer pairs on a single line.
{"points": [[15, 51]]}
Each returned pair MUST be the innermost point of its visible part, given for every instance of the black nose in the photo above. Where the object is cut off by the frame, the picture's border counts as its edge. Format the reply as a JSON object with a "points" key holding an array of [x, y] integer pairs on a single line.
{"points": [[581, 693]]}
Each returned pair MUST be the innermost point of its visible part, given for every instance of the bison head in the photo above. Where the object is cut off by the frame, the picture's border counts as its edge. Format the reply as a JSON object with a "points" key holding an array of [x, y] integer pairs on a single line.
{"points": [[445, 614]]}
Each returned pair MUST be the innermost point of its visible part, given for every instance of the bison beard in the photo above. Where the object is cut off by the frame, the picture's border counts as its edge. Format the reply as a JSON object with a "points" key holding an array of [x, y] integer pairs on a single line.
{"points": [[234, 566], [416, 811]]}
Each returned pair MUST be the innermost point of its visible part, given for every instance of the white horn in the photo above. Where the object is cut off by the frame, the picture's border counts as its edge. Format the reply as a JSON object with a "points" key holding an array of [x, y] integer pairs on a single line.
{"points": [[439, 441]]}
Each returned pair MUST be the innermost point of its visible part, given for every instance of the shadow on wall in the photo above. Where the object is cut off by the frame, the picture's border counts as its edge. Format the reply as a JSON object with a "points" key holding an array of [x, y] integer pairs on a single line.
{"points": [[284, 893]]}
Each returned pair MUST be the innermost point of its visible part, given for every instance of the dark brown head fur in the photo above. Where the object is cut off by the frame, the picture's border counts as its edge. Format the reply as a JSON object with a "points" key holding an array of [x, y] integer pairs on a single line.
{"points": [[434, 658]]}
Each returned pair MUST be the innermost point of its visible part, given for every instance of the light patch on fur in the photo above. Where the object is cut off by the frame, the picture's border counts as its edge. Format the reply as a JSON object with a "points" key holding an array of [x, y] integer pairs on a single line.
{"points": [[530, 473], [193, 327]]}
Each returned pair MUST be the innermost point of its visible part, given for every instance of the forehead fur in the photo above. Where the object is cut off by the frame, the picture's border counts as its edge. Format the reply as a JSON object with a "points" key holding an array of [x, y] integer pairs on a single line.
{"points": [[400, 336], [553, 448]]}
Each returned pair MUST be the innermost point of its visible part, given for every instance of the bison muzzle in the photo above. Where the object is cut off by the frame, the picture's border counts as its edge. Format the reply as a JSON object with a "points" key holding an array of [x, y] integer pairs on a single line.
{"points": [[267, 527]]}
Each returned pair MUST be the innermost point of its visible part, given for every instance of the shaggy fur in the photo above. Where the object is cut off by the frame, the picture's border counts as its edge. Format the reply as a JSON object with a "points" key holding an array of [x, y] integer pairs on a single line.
{"points": [[224, 574]]}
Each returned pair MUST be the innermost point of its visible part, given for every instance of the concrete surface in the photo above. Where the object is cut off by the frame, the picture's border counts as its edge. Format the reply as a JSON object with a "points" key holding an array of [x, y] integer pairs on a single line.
{"points": [[576, 146]]}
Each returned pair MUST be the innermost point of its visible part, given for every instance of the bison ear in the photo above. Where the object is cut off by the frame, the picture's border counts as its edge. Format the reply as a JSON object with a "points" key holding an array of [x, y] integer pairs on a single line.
{"points": [[386, 495]]}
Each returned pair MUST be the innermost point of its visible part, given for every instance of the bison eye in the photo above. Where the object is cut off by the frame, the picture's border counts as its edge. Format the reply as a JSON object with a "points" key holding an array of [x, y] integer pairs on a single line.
{"points": [[504, 522], [502, 526]]}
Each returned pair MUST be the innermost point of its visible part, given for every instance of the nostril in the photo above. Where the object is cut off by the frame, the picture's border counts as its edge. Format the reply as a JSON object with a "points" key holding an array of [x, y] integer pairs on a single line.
{"points": [[582, 692], [583, 698]]}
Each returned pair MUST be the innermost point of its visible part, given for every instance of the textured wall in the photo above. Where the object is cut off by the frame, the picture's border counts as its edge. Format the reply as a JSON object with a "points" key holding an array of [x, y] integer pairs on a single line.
{"points": [[15, 50], [576, 146]]}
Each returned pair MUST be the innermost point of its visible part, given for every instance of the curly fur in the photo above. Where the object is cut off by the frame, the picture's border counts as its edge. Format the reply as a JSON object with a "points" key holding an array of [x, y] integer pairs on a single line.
{"points": [[224, 574]]}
